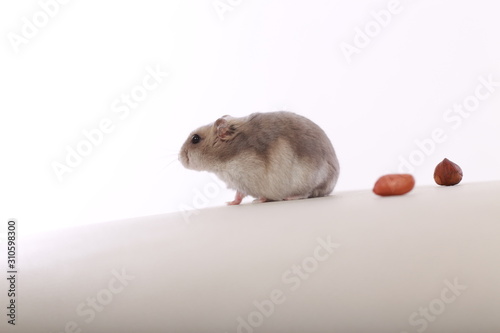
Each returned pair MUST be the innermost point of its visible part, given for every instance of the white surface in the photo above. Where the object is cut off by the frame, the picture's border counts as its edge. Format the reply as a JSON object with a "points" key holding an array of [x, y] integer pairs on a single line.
{"points": [[395, 255], [264, 56]]}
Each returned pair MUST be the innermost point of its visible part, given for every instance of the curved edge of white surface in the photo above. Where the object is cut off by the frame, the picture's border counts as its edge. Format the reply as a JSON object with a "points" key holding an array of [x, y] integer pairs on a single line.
{"points": [[352, 262]]}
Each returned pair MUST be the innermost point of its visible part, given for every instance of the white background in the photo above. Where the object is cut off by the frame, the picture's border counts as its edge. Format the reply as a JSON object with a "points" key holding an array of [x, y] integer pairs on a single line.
{"points": [[258, 56]]}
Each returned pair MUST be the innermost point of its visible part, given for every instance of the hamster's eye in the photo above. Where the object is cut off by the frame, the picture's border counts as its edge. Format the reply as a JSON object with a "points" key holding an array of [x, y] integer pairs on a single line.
{"points": [[195, 139]]}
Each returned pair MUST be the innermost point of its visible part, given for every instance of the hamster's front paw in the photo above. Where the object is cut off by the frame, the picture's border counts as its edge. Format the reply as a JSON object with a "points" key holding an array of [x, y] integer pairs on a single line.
{"points": [[237, 199]]}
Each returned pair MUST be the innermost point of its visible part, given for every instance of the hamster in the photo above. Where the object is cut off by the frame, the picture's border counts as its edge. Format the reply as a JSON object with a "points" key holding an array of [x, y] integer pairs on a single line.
{"points": [[270, 156]]}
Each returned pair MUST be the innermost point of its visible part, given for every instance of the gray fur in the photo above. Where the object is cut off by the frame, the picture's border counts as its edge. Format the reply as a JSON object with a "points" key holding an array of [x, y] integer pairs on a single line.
{"points": [[273, 156]]}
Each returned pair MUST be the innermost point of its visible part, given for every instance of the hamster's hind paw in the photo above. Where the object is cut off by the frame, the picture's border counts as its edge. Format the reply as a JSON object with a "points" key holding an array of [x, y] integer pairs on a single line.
{"points": [[261, 200], [297, 197]]}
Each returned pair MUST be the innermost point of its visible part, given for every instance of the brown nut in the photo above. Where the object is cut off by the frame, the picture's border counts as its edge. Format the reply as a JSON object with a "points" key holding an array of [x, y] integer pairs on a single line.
{"points": [[394, 184], [447, 173]]}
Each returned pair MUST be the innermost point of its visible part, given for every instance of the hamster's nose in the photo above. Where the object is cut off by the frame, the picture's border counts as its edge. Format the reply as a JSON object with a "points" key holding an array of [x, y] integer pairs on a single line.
{"points": [[183, 158]]}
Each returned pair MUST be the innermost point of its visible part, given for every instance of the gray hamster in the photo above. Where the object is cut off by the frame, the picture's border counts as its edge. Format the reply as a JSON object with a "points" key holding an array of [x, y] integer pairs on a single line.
{"points": [[269, 156]]}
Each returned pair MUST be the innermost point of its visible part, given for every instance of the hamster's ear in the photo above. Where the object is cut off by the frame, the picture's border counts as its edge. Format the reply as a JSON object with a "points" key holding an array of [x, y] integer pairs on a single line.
{"points": [[224, 127]]}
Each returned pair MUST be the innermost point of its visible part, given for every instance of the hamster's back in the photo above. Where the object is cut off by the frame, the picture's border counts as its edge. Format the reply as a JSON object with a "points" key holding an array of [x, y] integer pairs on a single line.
{"points": [[297, 153]]}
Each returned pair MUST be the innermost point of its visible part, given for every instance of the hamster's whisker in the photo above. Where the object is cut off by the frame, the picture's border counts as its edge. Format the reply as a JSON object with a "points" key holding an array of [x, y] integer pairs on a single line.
{"points": [[169, 154], [166, 164]]}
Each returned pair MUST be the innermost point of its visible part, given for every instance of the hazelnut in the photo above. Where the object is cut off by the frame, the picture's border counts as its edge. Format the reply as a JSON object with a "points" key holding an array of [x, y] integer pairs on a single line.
{"points": [[447, 173], [394, 184]]}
